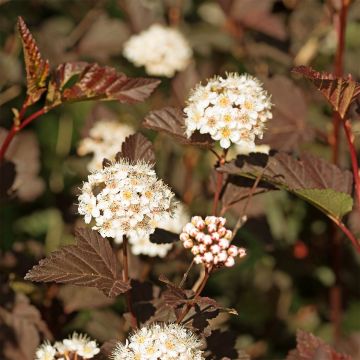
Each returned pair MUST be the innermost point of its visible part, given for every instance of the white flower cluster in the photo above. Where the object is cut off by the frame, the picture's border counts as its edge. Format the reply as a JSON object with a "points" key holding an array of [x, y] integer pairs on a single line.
{"points": [[232, 109], [125, 199], [78, 346], [142, 244], [104, 141], [209, 241], [162, 50], [160, 342]]}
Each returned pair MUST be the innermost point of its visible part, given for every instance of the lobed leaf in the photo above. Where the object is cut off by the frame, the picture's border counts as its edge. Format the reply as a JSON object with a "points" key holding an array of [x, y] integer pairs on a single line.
{"points": [[310, 347], [322, 184], [171, 122], [95, 82], [339, 92], [137, 148], [288, 129], [91, 262], [37, 69]]}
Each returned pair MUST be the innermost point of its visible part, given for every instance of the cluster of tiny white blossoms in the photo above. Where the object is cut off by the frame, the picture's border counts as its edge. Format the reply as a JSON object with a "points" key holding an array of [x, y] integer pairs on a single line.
{"points": [[142, 244], [232, 109], [209, 241], [162, 50], [125, 199], [160, 342], [77, 346], [104, 141]]}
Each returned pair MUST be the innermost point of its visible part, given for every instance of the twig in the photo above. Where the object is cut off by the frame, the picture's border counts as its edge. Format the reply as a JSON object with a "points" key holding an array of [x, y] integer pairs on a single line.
{"points": [[197, 294], [186, 274], [219, 183], [126, 279]]}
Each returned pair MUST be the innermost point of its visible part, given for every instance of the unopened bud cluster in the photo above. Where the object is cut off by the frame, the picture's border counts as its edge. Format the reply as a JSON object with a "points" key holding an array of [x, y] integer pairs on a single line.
{"points": [[210, 242]]}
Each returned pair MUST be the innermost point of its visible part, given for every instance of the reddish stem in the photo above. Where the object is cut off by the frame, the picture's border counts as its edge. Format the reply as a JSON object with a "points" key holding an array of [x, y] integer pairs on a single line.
{"points": [[197, 294], [353, 155], [126, 279], [338, 70], [16, 128], [347, 232]]}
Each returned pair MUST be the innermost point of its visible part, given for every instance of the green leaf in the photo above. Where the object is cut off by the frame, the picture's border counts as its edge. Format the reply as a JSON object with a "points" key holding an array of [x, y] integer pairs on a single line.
{"points": [[329, 201]]}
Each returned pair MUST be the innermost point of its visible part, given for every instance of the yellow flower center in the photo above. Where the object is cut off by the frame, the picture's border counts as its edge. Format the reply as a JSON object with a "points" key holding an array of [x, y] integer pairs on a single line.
{"points": [[225, 132], [248, 105], [224, 101]]}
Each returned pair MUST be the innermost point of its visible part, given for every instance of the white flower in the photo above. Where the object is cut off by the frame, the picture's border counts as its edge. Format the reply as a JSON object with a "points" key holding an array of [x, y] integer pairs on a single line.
{"points": [[142, 244], [104, 141], [160, 342], [162, 50], [45, 352], [78, 346], [126, 199], [232, 110]]}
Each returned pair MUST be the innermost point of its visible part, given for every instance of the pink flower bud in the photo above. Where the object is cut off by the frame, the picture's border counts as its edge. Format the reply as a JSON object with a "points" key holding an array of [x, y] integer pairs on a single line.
{"points": [[194, 232], [215, 249], [221, 221], [223, 256], [241, 252], [188, 228], [210, 220], [198, 259], [195, 249], [216, 259], [207, 240], [200, 237], [221, 231], [211, 228], [215, 236], [184, 236], [202, 248], [196, 219], [208, 257], [228, 234], [230, 262], [232, 250], [200, 224], [188, 244], [224, 243]]}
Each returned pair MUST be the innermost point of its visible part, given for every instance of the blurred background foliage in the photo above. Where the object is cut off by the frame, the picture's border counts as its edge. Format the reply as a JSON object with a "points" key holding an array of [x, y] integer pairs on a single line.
{"points": [[294, 265]]}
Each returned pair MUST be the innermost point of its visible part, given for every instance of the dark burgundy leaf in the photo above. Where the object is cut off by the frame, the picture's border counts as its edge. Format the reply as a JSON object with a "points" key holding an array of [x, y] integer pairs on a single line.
{"points": [[95, 82], [222, 344], [200, 317], [137, 148], [37, 69], [106, 163], [162, 236], [340, 92], [171, 122], [313, 179], [288, 128], [91, 262]]}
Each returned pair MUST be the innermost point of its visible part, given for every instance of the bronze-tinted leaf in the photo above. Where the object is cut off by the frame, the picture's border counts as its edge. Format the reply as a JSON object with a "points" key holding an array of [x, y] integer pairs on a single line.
{"points": [[222, 344], [95, 82], [37, 69], [91, 262], [24, 326], [137, 148], [339, 92], [288, 128], [171, 122], [313, 179], [75, 298], [310, 347]]}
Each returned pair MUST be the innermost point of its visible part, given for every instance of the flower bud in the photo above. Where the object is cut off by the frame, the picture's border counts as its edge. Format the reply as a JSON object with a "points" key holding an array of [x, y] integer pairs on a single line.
{"points": [[211, 228], [207, 240], [208, 257], [215, 249], [221, 231], [233, 250], [242, 252], [202, 248], [228, 234], [184, 236], [196, 219], [230, 262], [222, 256], [224, 243], [198, 259], [188, 244], [195, 249]]}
